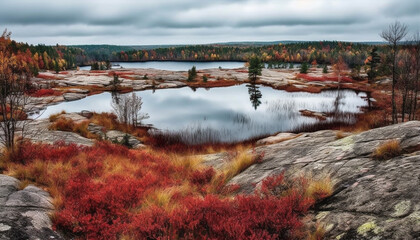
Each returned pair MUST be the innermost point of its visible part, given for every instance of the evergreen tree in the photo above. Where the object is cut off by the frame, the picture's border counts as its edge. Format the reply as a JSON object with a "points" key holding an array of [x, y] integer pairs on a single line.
{"points": [[373, 63], [94, 66], [304, 68], [254, 95], [325, 69], [56, 66], [255, 68], [192, 74]]}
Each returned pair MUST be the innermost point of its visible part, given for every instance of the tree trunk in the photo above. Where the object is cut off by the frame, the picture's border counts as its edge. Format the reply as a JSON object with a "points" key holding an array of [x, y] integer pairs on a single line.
{"points": [[394, 82]]}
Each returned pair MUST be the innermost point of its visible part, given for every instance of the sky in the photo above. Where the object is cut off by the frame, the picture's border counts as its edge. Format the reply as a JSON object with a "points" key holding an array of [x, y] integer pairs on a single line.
{"points": [[151, 22]]}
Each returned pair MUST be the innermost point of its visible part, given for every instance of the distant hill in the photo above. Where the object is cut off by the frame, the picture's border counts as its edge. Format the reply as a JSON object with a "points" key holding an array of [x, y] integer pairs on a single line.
{"points": [[108, 49]]}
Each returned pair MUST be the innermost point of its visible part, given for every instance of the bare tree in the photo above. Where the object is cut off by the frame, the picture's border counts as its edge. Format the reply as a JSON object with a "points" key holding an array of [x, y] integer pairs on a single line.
{"points": [[393, 35], [339, 67], [405, 83], [128, 109]]}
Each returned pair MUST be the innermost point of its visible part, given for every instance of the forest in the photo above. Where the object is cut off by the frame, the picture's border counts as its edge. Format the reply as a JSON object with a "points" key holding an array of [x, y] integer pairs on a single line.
{"points": [[60, 57]]}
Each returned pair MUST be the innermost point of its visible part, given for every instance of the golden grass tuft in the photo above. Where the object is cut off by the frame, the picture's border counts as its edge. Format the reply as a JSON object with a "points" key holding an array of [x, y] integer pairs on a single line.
{"points": [[340, 135], [161, 198], [320, 189], [318, 234], [54, 117], [242, 159], [387, 150]]}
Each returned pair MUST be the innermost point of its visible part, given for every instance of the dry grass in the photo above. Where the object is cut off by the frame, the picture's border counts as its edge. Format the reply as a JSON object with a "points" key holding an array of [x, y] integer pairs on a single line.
{"points": [[387, 150], [318, 234], [242, 158], [340, 135], [320, 188], [54, 117]]}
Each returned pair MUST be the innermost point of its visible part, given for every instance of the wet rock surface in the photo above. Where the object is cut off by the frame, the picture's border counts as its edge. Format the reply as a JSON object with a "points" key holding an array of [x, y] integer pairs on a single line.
{"points": [[24, 214], [373, 199]]}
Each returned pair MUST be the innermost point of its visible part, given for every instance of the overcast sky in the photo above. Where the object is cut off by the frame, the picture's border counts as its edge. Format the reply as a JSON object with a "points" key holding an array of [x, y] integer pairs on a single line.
{"points": [[145, 22]]}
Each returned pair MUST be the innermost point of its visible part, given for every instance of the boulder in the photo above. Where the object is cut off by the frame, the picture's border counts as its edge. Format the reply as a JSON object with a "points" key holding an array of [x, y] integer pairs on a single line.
{"points": [[73, 96], [118, 137], [25, 214], [86, 114]]}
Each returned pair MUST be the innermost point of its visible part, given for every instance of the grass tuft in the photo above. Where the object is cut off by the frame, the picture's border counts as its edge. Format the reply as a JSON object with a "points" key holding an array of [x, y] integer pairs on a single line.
{"points": [[387, 150]]}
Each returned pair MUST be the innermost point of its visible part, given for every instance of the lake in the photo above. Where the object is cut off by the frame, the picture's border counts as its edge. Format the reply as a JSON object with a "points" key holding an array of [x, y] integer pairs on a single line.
{"points": [[229, 114], [174, 65]]}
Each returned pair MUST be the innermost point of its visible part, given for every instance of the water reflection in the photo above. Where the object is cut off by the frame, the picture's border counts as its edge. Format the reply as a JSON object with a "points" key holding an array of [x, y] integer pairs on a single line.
{"points": [[225, 113], [254, 95]]}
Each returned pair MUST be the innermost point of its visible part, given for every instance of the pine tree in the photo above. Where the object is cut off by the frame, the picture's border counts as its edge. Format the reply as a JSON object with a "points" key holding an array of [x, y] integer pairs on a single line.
{"points": [[373, 63], [255, 68], [325, 69], [304, 68]]}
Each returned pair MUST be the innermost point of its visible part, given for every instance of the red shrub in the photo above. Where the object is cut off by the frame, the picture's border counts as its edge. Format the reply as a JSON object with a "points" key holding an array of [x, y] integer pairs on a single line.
{"points": [[201, 177], [103, 197], [324, 78], [98, 210], [59, 151], [45, 93], [47, 76], [245, 217]]}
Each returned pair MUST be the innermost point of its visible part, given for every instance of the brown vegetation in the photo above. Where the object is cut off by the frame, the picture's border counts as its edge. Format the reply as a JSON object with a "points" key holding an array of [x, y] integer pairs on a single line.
{"points": [[387, 150]]}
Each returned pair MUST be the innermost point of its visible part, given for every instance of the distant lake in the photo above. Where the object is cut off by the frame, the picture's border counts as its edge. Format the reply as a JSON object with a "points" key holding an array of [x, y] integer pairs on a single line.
{"points": [[174, 65], [229, 114]]}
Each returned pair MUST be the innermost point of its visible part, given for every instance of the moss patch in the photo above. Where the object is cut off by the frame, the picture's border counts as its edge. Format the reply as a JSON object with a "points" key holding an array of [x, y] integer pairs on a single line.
{"points": [[402, 208], [368, 227]]}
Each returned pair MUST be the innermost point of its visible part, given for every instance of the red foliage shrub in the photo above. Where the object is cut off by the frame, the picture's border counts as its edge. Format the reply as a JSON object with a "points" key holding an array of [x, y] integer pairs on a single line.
{"points": [[47, 76], [59, 151], [245, 217], [106, 191], [97, 71], [324, 78], [45, 93], [201, 177], [98, 210]]}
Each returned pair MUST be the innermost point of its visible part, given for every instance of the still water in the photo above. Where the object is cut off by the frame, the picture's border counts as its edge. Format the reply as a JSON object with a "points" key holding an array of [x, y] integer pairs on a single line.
{"points": [[173, 65], [229, 114]]}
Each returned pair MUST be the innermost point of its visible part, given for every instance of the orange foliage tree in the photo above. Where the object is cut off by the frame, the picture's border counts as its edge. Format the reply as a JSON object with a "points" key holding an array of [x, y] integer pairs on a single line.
{"points": [[15, 74]]}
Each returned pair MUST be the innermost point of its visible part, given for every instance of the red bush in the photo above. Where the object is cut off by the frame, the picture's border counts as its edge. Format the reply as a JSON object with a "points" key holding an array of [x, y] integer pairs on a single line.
{"points": [[104, 198], [97, 71], [47, 76], [324, 78], [45, 93], [245, 217], [59, 151], [98, 210], [201, 177]]}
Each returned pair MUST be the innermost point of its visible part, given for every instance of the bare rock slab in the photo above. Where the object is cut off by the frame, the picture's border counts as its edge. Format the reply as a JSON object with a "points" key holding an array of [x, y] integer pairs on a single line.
{"points": [[24, 214], [372, 200]]}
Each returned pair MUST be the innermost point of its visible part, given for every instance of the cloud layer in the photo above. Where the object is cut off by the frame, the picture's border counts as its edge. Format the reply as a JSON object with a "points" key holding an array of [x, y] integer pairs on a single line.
{"points": [[127, 22]]}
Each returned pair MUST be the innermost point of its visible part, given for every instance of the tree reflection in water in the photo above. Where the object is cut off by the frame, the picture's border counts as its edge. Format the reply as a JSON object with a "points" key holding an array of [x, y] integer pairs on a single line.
{"points": [[254, 95]]}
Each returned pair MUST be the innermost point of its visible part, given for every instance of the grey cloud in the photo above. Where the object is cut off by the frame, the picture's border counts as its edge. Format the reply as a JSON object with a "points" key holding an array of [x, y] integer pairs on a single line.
{"points": [[206, 21]]}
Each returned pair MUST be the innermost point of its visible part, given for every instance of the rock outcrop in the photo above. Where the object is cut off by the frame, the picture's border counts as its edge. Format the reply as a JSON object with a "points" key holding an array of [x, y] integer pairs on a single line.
{"points": [[24, 214], [115, 136], [373, 199], [73, 96]]}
